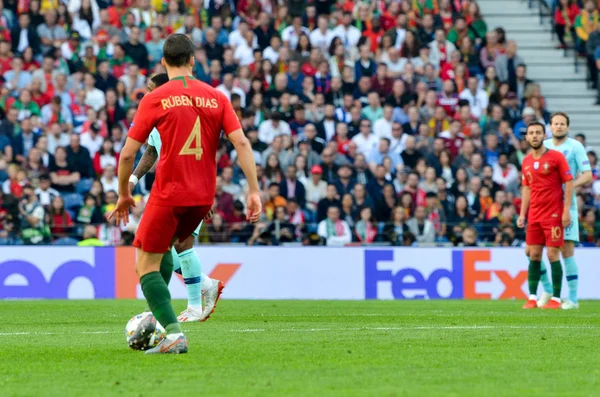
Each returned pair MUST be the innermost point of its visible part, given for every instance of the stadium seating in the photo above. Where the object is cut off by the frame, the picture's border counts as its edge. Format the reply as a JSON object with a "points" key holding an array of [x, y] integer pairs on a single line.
{"points": [[389, 122]]}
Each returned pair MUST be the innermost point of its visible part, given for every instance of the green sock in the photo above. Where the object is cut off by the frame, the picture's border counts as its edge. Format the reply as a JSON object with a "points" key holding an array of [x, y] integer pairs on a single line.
{"points": [[544, 279], [557, 275], [166, 267], [159, 301], [533, 276]]}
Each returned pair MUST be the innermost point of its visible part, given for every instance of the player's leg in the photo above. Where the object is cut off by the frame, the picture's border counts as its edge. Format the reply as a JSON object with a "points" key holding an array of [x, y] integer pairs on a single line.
{"points": [[571, 271], [545, 280], [533, 274], [191, 271], [166, 266], [151, 248], [210, 289], [568, 254], [207, 283], [535, 245]]}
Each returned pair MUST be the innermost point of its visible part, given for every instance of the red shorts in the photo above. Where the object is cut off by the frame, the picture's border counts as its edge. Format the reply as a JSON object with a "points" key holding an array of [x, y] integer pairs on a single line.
{"points": [[161, 224], [549, 234]]}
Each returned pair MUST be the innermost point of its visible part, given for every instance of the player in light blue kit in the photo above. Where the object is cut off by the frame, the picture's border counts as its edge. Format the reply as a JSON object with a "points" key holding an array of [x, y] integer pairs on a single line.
{"points": [[579, 164], [185, 260]]}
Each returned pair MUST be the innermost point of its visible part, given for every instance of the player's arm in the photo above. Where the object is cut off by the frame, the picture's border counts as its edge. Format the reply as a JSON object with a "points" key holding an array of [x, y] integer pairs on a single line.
{"points": [[525, 198], [146, 162], [245, 157], [233, 131], [143, 122], [583, 164]]}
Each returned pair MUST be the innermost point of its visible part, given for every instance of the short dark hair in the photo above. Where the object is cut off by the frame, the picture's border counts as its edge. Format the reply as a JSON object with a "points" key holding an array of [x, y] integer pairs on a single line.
{"points": [[534, 124], [159, 79], [563, 114], [178, 50]]}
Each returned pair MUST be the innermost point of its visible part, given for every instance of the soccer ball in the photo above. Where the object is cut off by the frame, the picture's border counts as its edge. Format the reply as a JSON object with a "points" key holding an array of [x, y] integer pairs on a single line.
{"points": [[131, 327]]}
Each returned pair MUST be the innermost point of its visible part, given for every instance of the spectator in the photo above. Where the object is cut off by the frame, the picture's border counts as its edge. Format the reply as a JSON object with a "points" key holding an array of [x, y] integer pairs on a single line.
{"points": [[217, 230], [316, 188], [136, 50], [45, 192], [528, 116], [24, 141], [460, 218], [437, 216], [26, 106], [591, 46], [421, 227], [90, 237], [105, 157], [109, 179], [93, 96], [469, 237], [63, 174], [281, 229], [24, 35], [506, 174], [79, 158], [274, 200], [394, 230], [109, 233], [478, 98], [291, 188], [336, 232], [273, 127], [507, 63], [89, 213], [92, 139], [440, 49], [366, 228], [348, 34], [60, 219], [34, 229], [17, 78], [331, 199], [491, 51], [51, 34]]}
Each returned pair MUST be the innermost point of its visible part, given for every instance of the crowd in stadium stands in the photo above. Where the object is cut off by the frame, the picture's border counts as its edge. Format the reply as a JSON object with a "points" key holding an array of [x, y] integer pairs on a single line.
{"points": [[577, 25], [397, 122]]}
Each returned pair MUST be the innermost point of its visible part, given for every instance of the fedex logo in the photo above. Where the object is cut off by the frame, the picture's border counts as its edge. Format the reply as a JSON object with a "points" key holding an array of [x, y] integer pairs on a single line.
{"points": [[462, 280], [107, 273]]}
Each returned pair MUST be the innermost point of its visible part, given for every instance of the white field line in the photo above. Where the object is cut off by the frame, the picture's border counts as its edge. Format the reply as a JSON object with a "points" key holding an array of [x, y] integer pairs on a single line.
{"points": [[355, 329]]}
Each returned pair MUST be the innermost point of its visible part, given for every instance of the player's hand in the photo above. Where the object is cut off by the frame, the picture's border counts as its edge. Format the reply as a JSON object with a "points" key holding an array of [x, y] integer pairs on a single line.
{"points": [[121, 211], [566, 219], [253, 207], [521, 222]]}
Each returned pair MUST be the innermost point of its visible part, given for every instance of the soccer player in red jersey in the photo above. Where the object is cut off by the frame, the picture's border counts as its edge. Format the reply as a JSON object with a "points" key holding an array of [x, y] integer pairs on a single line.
{"points": [[189, 116], [544, 173]]}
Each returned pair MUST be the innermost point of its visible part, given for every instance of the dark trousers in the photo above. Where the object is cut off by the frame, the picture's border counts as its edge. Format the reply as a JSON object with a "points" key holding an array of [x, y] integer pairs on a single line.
{"points": [[561, 32]]}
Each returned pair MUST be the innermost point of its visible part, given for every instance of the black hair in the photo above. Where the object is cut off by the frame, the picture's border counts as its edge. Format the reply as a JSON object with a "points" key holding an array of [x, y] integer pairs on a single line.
{"points": [[178, 50], [536, 123], [159, 79]]}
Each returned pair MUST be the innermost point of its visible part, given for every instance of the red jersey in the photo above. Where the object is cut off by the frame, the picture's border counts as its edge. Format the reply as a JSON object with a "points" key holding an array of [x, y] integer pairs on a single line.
{"points": [[189, 116], [545, 176]]}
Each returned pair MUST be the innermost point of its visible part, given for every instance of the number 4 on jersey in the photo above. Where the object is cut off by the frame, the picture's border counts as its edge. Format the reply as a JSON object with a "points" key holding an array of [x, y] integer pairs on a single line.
{"points": [[193, 139]]}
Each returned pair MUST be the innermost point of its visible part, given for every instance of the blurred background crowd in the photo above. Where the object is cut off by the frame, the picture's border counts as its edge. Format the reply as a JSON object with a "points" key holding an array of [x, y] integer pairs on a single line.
{"points": [[385, 122]]}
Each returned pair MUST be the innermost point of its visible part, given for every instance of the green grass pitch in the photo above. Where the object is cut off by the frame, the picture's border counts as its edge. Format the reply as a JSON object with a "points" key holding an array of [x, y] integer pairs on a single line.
{"points": [[306, 348]]}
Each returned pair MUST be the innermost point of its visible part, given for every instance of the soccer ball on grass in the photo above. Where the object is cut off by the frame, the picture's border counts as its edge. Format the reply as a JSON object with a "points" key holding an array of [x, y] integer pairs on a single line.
{"points": [[132, 326]]}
